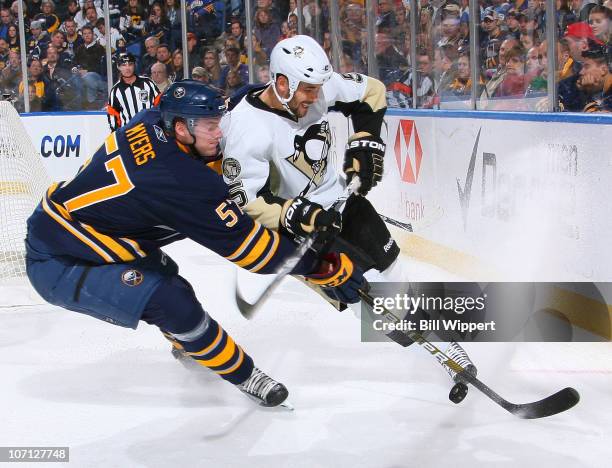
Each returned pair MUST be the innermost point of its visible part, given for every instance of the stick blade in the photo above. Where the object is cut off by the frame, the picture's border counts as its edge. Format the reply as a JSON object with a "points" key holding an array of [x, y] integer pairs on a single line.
{"points": [[549, 406]]}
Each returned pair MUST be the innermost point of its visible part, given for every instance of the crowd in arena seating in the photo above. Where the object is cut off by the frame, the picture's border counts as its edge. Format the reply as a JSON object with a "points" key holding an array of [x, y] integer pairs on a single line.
{"points": [[66, 39]]}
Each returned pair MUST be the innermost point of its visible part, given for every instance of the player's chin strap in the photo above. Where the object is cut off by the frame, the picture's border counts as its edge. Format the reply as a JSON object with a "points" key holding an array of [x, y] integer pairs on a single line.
{"points": [[283, 101]]}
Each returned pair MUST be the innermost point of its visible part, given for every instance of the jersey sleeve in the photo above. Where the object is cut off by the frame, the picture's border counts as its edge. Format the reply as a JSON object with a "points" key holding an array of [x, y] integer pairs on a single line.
{"points": [[219, 224], [247, 154], [359, 96]]}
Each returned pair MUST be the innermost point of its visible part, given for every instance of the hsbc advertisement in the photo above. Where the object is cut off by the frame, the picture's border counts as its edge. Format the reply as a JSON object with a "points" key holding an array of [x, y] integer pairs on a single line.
{"points": [[524, 200]]}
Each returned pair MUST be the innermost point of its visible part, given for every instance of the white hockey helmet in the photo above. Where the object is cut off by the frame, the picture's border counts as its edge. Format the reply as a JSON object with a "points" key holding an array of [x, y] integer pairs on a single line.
{"points": [[299, 58]]}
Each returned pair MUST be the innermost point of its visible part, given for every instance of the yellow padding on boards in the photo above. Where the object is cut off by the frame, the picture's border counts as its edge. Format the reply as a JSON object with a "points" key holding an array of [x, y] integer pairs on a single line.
{"points": [[590, 314]]}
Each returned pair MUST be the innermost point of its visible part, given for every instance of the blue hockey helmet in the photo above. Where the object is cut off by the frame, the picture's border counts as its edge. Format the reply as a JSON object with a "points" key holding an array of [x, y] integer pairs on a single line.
{"points": [[190, 100]]}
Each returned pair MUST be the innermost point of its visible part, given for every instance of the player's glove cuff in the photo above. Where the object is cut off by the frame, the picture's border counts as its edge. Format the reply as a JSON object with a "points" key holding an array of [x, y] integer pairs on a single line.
{"points": [[364, 157], [339, 278]]}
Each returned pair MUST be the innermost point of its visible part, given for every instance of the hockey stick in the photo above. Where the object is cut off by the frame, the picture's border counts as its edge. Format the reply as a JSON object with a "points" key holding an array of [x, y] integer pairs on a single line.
{"points": [[393, 222], [248, 309], [553, 404]]}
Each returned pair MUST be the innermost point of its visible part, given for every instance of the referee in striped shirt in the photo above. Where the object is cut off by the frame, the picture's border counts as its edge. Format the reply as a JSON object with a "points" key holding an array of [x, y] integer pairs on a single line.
{"points": [[130, 94]]}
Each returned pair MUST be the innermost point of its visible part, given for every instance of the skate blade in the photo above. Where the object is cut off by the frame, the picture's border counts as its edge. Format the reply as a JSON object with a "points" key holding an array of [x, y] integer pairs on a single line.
{"points": [[288, 406]]}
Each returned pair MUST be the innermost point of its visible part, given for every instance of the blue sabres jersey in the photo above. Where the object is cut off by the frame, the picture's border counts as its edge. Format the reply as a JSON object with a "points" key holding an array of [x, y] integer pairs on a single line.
{"points": [[142, 190]]}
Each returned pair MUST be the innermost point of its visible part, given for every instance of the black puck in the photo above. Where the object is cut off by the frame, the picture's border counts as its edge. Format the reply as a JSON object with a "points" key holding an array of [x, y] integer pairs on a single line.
{"points": [[458, 392]]}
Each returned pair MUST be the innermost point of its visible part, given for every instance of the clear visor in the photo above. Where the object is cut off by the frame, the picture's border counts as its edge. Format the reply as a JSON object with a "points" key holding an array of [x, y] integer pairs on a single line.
{"points": [[206, 127]]}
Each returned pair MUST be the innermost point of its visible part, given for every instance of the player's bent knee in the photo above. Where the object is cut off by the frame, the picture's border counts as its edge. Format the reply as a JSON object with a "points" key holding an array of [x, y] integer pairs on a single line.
{"points": [[174, 308]]}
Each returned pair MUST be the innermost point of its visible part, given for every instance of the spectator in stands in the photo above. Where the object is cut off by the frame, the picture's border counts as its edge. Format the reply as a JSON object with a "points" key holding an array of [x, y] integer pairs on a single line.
{"points": [[157, 24], [115, 35], [237, 32], [425, 82], [451, 33], [11, 73], [88, 58], [159, 75], [259, 55], [444, 66], [193, 49], [37, 88], [595, 79], [515, 81], [151, 45], [600, 19], [206, 18], [263, 74], [73, 38], [72, 10], [83, 18], [13, 37], [512, 24], [391, 63], [173, 14], [177, 65], [233, 82], [273, 10], [385, 20], [50, 20], [212, 67], [132, 22], [527, 41], [533, 64], [39, 38], [164, 56], [6, 19], [232, 55], [33, 7], [61, 83], [4, 50], [58, 40], [461, 86], [490, 41], [199, 74], [266, 30]]}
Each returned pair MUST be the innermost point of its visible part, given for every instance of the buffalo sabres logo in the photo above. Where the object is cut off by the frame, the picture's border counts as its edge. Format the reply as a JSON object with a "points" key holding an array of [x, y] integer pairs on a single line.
{"points": [[231, 168], [179, 92], [132, 277], [311, 151], [143, 95]]}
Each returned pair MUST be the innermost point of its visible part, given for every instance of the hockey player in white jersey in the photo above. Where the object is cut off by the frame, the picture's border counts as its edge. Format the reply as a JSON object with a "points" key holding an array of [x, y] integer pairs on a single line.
{"points": [[284, 125]]}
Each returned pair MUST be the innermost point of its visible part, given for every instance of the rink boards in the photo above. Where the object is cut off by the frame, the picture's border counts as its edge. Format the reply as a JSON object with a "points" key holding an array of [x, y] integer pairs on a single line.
{"points": [[491, 196]]}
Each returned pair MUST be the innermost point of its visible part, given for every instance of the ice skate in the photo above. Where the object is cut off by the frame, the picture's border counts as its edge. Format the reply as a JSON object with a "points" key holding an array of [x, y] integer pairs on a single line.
{"points": [[265, 390]]}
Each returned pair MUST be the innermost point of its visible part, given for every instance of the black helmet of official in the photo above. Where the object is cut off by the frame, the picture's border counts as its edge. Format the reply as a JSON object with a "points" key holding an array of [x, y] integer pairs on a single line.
{"points": [[125, 57], [190, 100]]}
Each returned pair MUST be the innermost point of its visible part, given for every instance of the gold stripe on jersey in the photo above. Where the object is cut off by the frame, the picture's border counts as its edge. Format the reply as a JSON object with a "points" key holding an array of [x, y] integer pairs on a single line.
{"points": [[110, 243], [71, 229], [271, 252], [238, 252], [256, 252], [111, 143]]}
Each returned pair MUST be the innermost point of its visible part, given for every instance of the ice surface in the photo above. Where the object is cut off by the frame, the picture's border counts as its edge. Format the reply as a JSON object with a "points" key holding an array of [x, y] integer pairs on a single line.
{"points": [[118, 398]]}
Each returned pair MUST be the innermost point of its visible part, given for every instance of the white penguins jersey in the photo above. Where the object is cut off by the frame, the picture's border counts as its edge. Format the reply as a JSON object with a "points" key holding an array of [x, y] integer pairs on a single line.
{"points": [[255, 136]]}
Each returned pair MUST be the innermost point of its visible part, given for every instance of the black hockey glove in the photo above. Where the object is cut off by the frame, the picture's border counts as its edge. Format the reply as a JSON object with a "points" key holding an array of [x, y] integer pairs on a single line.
{"points": [[301, 217], [364, 157], [339, 278]]}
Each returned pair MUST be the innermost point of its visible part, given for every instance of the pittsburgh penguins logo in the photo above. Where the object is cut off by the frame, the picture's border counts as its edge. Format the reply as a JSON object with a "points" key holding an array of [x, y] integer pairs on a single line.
{"points": [[311, 151], [231, 168], [132, 277]]}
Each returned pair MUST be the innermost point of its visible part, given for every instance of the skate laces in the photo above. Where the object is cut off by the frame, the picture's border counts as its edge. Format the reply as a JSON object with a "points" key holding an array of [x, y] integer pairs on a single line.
{"points": [[258, 384]]}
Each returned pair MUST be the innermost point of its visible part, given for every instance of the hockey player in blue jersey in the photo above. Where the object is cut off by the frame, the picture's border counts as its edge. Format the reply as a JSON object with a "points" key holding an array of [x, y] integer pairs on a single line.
{"points": [[93, 243]]}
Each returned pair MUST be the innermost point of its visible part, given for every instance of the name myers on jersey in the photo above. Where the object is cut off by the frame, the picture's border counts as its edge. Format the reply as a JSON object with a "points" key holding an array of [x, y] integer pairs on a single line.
{"points": [[140, 144]]}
